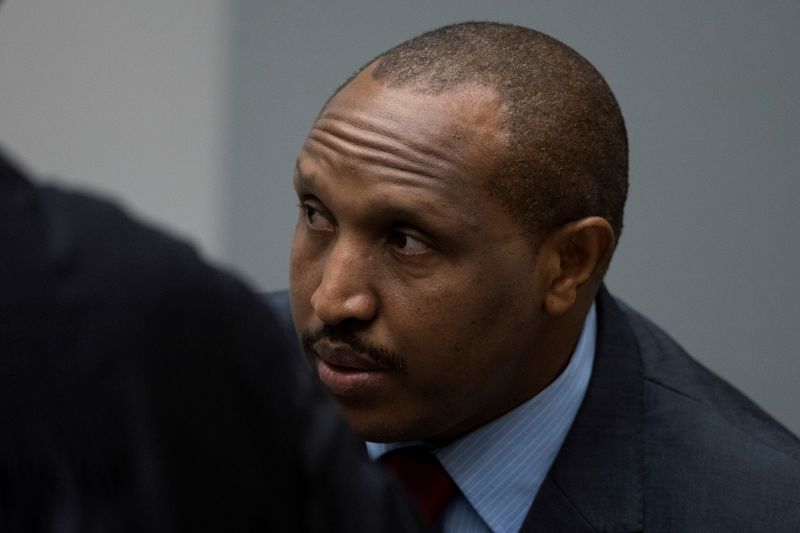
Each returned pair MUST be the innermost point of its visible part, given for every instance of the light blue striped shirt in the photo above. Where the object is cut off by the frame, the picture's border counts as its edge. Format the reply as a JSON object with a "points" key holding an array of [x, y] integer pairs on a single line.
{"points": [[500, 466]]}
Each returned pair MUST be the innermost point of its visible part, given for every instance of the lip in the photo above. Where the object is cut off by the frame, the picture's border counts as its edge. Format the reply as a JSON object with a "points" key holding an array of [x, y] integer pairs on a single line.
{"points": [[346, 372]]}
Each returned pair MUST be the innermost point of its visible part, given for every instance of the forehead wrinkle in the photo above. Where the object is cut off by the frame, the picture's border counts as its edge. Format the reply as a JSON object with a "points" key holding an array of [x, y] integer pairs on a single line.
{"points": [[328, 147], [382, 172], [371, 132], [375, 147], [383, 167]]}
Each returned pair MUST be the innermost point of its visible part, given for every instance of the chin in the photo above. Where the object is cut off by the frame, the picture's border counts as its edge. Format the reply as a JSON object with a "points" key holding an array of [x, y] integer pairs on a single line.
{"points": [[380, 428], [394, 421], [376, 432]]}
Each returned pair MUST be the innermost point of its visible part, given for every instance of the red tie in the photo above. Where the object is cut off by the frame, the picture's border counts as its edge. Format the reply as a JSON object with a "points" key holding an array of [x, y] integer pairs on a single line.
{"points": [[423, 477]]}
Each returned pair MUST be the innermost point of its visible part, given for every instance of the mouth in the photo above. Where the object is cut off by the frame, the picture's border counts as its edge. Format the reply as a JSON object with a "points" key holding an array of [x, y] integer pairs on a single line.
{"points": [[345, 371]]}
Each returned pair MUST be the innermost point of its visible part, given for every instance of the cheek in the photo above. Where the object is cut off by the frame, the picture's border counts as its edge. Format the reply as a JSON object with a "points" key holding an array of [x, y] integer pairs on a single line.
{"points": [[453, 320], [479, 315]]}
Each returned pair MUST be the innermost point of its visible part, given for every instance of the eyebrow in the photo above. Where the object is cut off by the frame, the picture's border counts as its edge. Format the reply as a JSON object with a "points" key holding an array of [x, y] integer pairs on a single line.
{"points": [[303, 178]]}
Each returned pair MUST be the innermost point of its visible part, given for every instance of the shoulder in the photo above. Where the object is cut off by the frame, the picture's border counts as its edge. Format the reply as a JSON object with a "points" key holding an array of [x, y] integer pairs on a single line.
{"points": [[708, 449], [89, 235], [672, 375], [97, 251], [140, 286]]}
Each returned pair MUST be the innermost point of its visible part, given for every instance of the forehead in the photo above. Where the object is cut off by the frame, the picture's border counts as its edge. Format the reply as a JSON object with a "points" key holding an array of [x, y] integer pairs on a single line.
{"points": [[456, 136]]}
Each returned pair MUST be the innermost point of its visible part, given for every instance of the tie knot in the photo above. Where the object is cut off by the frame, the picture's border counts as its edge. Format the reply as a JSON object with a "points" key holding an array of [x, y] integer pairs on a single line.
{"points": [[423, 477]]}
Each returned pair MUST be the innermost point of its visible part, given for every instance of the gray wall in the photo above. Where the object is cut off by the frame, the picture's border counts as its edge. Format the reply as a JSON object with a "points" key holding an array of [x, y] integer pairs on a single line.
{"points": [[125, 97], [710, 94]]}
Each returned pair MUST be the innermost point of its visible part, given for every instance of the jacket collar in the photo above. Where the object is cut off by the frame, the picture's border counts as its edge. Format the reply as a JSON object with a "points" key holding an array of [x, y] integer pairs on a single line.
{"points": [[595, 483]]}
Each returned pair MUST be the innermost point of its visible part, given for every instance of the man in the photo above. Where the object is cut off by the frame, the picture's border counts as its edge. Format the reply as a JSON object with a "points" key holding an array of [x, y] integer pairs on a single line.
{"points": [[142, 390], [461, 198]]}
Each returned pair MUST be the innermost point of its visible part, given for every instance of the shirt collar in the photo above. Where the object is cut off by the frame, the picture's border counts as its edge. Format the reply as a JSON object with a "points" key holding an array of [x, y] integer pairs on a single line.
{"points": [[500, 466]]}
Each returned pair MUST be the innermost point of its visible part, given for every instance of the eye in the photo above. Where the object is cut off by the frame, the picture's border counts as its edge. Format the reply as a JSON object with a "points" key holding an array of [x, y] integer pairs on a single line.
{"points": [[408, 245], [315, 217]]}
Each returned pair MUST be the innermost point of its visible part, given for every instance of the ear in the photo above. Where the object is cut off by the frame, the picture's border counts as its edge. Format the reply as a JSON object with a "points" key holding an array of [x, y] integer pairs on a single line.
{"points": [[579, 253]]}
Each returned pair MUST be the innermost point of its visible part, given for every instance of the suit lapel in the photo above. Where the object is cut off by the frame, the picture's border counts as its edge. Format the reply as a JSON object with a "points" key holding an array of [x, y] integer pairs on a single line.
{"points": [[595, 483]]}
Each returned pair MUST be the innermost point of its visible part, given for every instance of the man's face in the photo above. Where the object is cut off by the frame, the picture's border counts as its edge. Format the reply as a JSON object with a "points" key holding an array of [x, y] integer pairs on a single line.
{"points": [[416, 294]]}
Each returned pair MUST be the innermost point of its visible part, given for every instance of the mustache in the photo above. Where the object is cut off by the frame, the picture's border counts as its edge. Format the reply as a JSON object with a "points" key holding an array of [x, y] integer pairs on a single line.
{"points": [[381, 356]]}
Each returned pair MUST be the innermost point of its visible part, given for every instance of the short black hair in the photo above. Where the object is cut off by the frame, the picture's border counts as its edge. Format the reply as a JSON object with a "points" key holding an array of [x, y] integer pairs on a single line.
{"points": [[567, 155]]}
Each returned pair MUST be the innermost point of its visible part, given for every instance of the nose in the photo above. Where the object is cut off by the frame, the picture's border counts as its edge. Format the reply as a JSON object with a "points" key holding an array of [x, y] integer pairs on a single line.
{"points": [[344, 292]]}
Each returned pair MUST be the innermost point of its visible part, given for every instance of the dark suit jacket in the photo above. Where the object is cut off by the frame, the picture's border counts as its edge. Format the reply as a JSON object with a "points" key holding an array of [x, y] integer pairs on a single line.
{"points": [[660, 444], [142, 390]]}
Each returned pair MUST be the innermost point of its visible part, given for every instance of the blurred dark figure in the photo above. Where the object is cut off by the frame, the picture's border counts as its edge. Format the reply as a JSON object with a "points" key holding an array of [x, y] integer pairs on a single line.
{"points": [[142, 390]]}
